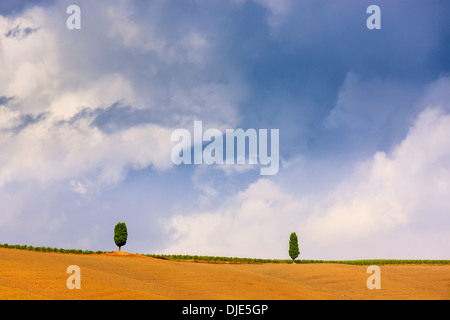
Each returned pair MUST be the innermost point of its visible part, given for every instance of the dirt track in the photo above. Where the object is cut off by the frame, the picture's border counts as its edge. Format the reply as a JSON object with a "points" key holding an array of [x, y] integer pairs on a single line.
{"points": [[39, 275]]}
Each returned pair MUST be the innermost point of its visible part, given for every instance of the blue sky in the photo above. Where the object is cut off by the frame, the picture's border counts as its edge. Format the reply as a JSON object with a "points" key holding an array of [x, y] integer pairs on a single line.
{"points": [[86, 118]]}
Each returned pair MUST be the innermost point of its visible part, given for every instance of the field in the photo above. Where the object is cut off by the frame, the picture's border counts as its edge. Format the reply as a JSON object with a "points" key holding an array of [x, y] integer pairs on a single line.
{"points": [[26, 274]]}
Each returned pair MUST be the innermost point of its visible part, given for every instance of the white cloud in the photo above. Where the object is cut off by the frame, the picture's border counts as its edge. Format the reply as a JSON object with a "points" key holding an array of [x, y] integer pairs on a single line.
{"points": [[54, 74], [51, 150], [406, 187], [100, 93], [8, 118], [31, 65], [251, 224]]}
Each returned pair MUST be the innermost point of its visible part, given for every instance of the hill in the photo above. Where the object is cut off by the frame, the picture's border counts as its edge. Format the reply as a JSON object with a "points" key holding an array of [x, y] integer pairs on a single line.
{"points": [[42, 275]]}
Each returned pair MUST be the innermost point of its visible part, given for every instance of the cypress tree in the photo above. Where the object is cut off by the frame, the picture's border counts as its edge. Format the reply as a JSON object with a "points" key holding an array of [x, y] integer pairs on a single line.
{"points": [[120, 234], [293, 247]]}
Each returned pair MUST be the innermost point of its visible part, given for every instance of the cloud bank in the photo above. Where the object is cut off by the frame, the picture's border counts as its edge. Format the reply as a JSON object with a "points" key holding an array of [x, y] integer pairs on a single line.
{"points": [[408, 186], [86, 118]]}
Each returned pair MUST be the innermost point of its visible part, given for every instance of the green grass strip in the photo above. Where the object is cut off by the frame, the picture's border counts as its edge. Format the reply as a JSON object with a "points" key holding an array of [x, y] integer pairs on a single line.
{"points": [[48, 249], [237, 259], [301, 261]]}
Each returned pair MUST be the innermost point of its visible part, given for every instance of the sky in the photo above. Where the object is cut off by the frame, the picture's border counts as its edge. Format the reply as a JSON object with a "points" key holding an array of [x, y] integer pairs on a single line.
{"points": [[86, 118]]}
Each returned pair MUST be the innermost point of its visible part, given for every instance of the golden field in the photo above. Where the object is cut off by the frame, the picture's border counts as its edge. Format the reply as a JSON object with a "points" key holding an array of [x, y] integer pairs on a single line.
{"points": [[41, 275]]}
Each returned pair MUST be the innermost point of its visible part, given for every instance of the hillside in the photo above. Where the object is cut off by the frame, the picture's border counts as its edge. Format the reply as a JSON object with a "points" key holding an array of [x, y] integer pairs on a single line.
{"points": [[42, 275]]}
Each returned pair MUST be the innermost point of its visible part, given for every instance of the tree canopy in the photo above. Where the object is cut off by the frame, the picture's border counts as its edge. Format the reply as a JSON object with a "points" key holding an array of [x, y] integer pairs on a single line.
{"points": [[120, 234]]}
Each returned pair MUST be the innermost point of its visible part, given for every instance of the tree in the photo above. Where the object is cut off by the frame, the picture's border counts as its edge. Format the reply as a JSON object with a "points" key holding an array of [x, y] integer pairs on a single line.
{"points": [[293, 246], [120, 234]]}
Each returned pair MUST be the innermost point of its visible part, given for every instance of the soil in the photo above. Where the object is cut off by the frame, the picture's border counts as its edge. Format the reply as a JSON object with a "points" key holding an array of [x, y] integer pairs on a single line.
{"points": [[121, 275]]}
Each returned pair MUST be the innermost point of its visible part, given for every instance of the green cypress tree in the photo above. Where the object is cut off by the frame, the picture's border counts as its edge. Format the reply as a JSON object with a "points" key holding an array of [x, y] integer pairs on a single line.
{"points": [[120, 234], [293, 247]]}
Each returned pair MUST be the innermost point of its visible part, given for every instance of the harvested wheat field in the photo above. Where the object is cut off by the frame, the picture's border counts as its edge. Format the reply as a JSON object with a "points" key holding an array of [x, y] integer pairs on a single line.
{"points": [[40, 275]]}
